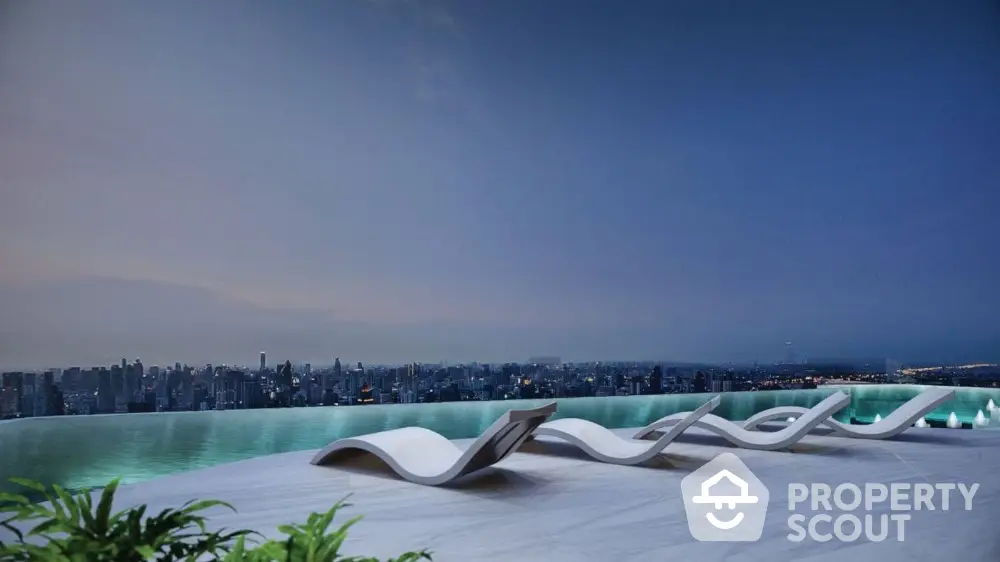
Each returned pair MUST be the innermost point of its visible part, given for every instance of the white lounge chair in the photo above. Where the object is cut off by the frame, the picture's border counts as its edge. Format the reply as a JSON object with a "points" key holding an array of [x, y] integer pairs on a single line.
{"points": [[901, 419], [764, 441], [425, 457], [602, 444]]}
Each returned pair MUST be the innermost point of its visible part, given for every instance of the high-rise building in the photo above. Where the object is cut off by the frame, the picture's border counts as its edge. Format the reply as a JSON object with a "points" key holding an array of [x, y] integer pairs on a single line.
{"points": [[11, 394], [656, 380], [284, 377], [118, 383], [253, 392], [263, 361], [413, 384], [131, 384], [28, 395], [138, 381], [355, 388], [45, 389], [72, 379], [635, 386], [105, 392], [700, 382], [230, 391]]}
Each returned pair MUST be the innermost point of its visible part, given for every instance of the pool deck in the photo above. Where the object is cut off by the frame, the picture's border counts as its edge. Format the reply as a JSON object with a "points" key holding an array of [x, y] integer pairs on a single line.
{"points": [[553, 504]]}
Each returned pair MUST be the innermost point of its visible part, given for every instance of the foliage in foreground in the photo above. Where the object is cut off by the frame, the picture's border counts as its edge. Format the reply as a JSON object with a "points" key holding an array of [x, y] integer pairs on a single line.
{"points": [[71, 528]]}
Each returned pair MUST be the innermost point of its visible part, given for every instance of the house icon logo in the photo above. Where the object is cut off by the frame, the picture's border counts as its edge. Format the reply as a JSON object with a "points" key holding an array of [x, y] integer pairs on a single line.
{"points": [[724, 501]]}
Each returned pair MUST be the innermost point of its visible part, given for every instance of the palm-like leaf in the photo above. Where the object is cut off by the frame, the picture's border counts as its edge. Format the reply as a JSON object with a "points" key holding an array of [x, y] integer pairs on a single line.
{"points": [[76, 530]]}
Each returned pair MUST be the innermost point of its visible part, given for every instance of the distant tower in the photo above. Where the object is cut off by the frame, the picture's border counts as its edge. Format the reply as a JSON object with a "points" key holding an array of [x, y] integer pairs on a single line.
{"points": [[411, 377], [263, 360], [285, 376], [656, 380], [355, 385], [700, 382]]}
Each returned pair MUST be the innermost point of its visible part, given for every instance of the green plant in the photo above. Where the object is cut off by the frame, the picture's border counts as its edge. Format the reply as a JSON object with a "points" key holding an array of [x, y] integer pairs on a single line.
{"points": [[71, 528], [311, 542], [75, 529]]}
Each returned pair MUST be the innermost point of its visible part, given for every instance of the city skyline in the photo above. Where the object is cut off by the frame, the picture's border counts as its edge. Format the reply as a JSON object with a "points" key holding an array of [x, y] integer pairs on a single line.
{"points": [[426, 181], [132, 386], [265, 361]]}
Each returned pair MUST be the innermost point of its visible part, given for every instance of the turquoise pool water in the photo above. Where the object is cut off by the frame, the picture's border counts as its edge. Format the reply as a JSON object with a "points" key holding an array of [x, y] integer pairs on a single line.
{"points": [[86, 451]]}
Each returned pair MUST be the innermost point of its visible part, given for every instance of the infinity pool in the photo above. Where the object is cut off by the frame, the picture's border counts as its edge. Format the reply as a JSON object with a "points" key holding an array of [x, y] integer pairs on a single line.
{"points": [[87, 451]]}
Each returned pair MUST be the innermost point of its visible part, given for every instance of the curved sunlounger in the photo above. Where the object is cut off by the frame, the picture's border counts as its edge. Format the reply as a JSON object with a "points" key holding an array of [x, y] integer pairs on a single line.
{"points": [[425, 457], [603, 445], [892, 425], [763, 441]]}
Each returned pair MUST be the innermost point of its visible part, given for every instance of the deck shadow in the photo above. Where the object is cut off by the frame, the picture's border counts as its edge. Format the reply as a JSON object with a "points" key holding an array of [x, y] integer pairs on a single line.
{"points": [[486, 481], [801, 447], [561, 449], [499, 481], [938, 438], [356, 461]]}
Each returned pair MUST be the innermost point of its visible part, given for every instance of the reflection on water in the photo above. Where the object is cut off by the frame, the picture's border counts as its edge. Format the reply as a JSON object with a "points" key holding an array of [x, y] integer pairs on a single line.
{"points": [[86, 451], [868, 401]]}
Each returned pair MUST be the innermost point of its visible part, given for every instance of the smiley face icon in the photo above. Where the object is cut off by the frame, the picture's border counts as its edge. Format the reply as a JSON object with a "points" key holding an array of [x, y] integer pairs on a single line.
{"points": [[719, 501], [724, 501]]}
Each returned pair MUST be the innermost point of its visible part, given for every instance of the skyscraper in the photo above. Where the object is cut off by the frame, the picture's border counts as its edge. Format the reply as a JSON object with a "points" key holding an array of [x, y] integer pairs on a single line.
{"points": [[635, 385], [105, 392], [355, 385], [285, 375], [45, 395], [28, 397], [413, 378], [229, 391], [700, 382], [136, 382], [263, 361], [656, 380], [11, 393], [118, 384]]}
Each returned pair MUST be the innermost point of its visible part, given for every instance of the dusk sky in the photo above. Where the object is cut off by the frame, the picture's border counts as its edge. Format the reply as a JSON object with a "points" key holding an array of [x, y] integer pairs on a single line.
{"points": [[417, 180]]}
